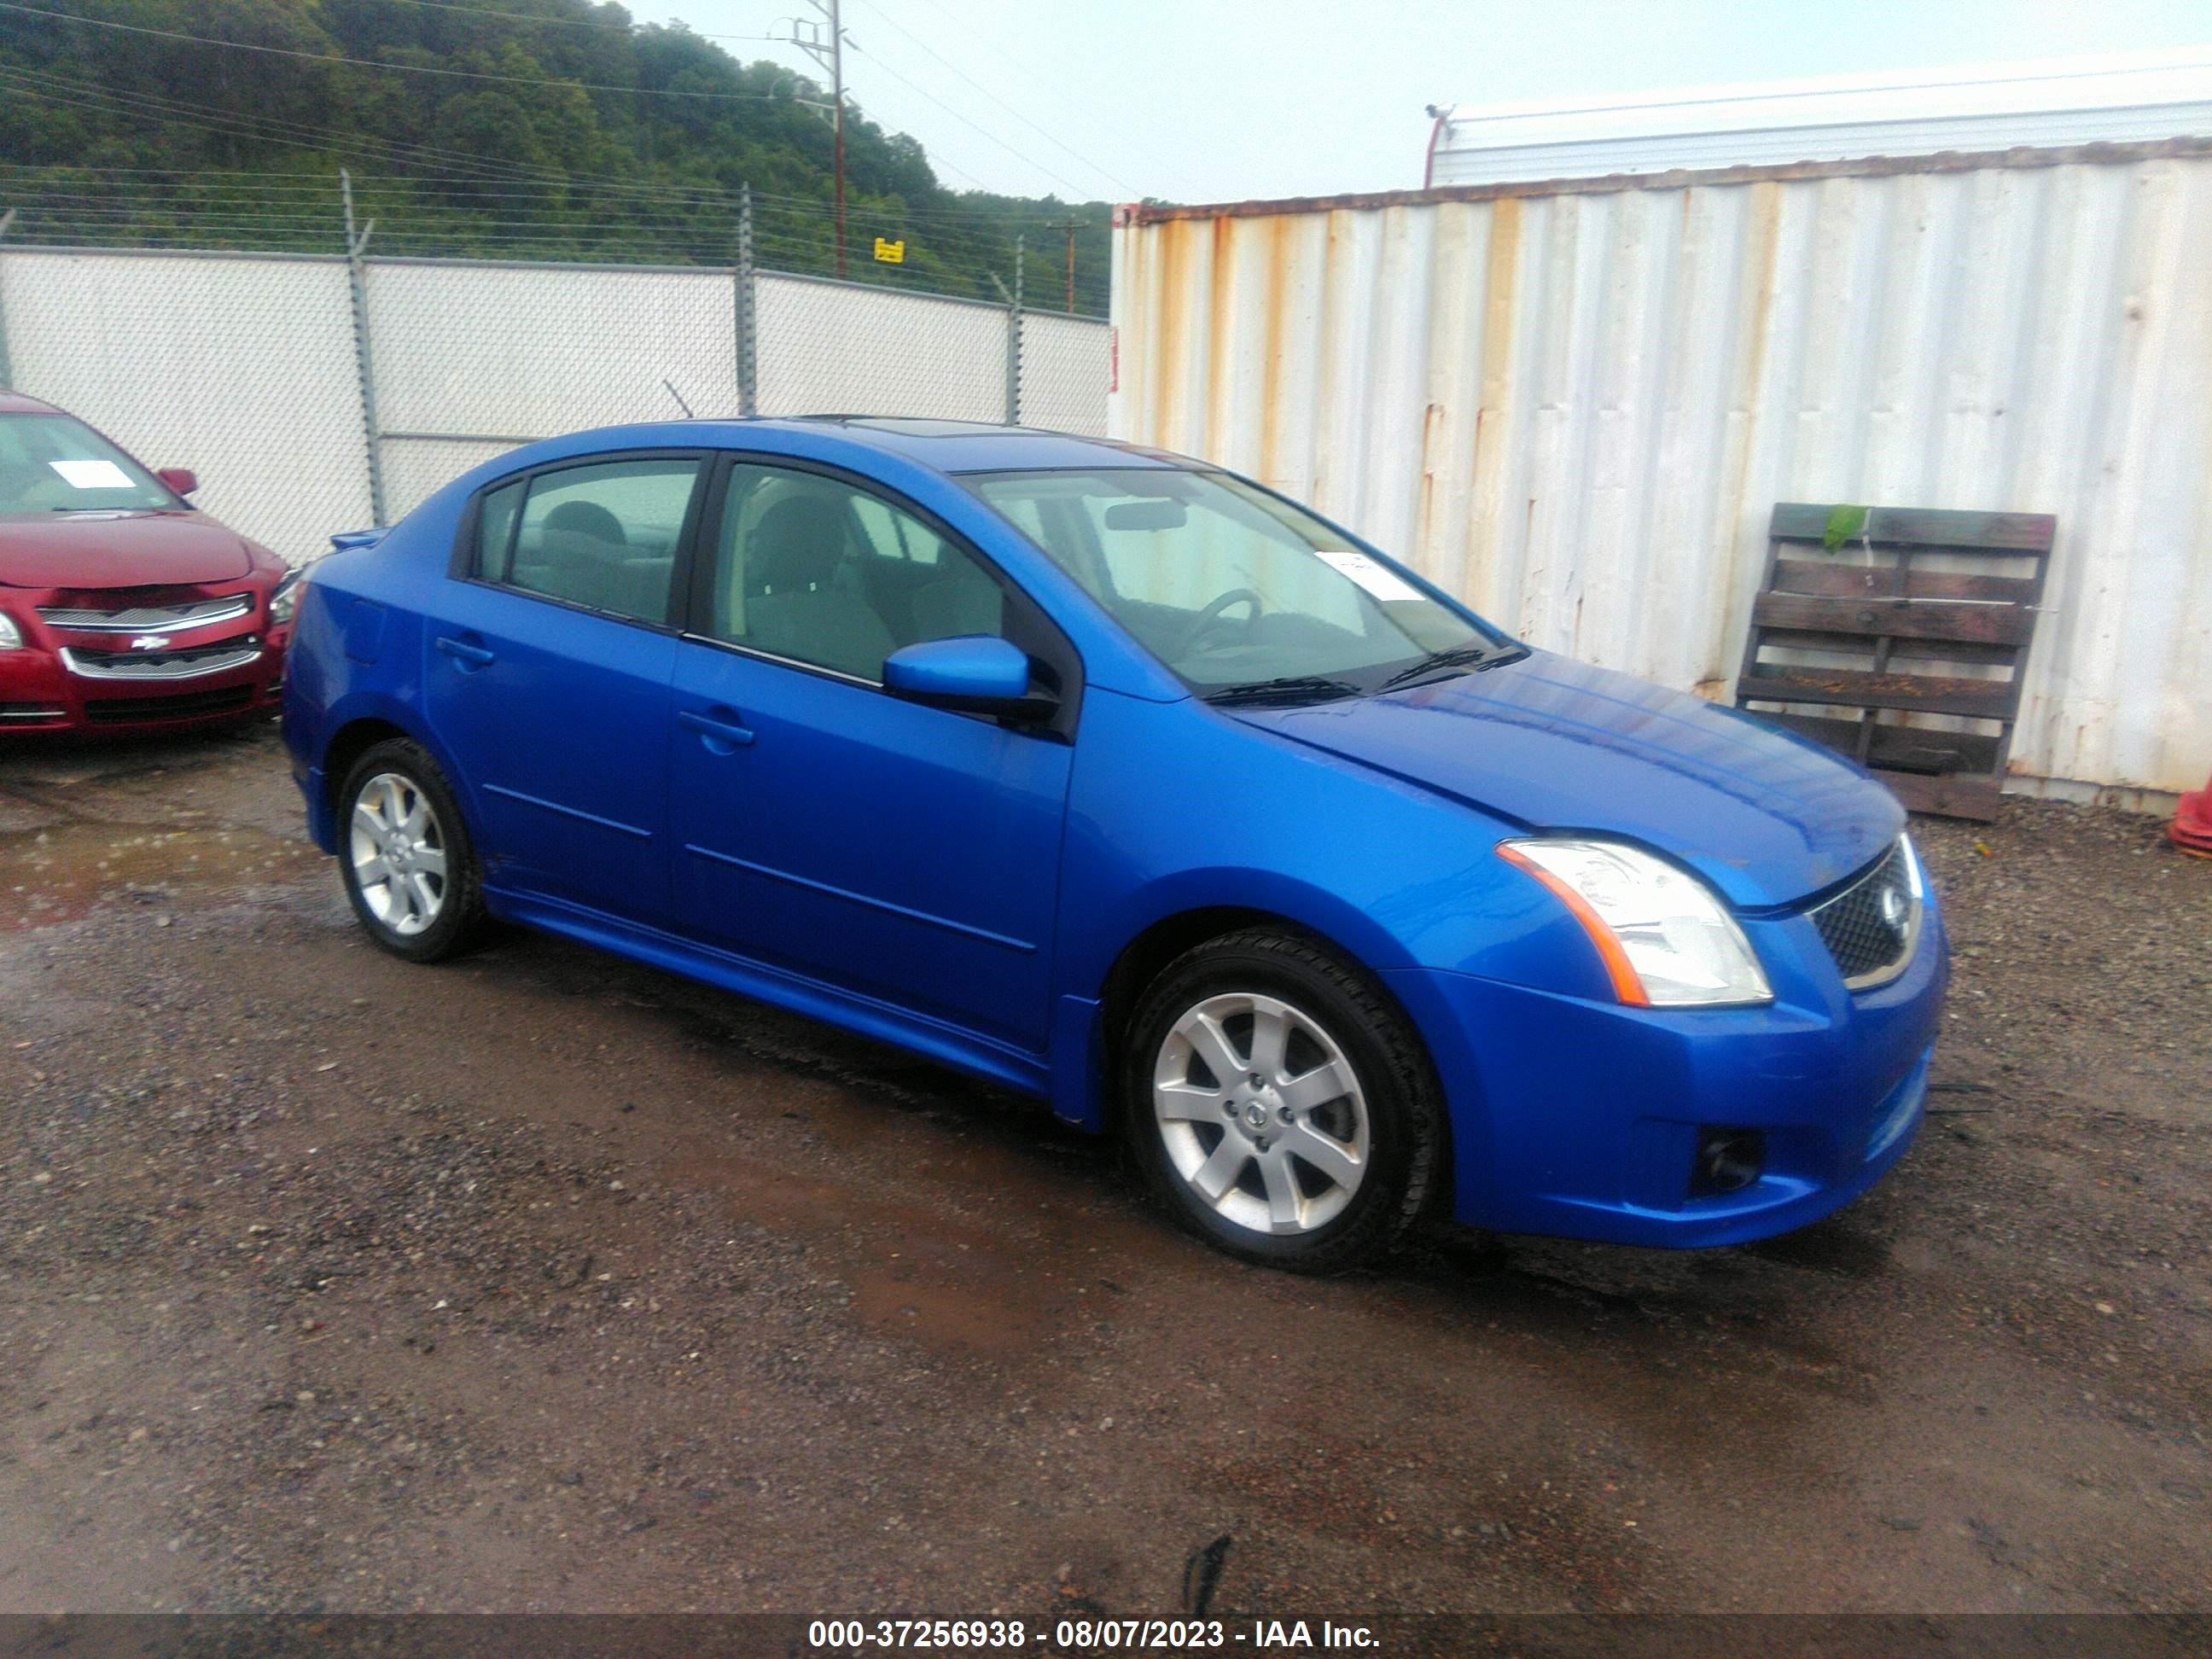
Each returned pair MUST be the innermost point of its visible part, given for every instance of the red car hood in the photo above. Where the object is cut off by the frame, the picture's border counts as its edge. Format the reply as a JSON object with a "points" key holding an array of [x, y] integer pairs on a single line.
{"points": [[119, 550]]}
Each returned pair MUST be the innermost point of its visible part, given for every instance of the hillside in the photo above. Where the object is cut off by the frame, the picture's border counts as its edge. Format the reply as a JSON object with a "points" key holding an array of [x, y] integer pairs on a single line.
{"points": [[515, 129]]}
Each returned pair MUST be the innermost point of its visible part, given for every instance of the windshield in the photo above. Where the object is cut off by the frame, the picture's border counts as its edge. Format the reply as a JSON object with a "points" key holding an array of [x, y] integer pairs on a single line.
{"points": [[1232, 588], [56, 464]]}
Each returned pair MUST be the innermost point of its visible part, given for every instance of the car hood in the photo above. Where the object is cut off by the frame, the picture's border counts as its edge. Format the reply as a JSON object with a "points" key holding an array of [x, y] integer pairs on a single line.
{"points": [[119, 550], [1554, 744]]}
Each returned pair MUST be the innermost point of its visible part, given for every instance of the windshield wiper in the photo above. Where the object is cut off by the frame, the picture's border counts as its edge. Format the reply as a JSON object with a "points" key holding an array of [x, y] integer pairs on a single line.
{"points": [[1474, 657], [1290, 687]]}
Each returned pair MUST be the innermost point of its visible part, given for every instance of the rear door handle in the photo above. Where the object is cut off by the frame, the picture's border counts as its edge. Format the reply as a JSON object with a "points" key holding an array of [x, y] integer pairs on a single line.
{"points": [[465, 653], [717, 728]]}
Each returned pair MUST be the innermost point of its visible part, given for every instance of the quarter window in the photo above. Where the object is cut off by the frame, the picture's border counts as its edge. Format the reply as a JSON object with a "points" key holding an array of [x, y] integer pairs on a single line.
{"points": [[603, 537], [813, 570]]}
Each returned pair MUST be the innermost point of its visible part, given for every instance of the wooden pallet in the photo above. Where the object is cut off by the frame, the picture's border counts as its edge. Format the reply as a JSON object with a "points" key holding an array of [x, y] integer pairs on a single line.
{"points": [[1878, 600]]}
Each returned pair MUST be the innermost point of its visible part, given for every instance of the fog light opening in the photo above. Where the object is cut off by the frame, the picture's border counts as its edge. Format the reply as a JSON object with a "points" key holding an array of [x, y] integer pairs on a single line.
{"points": [[1728, 1161]]}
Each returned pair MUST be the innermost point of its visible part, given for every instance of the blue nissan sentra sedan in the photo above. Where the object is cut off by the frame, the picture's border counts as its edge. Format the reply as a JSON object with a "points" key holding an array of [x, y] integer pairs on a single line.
{"points": [[1116, 778]]}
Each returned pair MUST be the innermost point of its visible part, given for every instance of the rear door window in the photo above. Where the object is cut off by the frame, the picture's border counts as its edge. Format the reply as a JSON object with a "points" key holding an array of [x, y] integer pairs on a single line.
{"points": [[602, 536]]}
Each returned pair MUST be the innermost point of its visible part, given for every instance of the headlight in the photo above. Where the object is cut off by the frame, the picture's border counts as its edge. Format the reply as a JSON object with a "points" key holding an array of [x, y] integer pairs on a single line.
{"points": [[11, 637], [284, 603], [1666, 939]]}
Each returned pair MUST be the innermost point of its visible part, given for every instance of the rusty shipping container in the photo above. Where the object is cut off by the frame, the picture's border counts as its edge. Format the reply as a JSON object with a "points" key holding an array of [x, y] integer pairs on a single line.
{"points": [[1575, 403]]}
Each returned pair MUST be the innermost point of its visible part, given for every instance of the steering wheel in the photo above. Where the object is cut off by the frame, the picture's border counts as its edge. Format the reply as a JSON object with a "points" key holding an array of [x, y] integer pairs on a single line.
{"points": [[1209, 620]]}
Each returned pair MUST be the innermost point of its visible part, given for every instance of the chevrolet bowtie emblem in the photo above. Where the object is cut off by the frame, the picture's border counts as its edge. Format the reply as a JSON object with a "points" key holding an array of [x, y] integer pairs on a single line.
{"points": [[148, 643]]}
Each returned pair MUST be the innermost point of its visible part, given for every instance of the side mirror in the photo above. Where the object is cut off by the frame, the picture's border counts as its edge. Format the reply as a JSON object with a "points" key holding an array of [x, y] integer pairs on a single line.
{"points": [[975, 674], [182, 480]]}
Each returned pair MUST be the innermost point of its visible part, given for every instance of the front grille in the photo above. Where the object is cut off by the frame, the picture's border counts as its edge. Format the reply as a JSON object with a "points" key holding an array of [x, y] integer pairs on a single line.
{"points": [[148, 618], [189, 705], [190, 663], [1871, 926]]}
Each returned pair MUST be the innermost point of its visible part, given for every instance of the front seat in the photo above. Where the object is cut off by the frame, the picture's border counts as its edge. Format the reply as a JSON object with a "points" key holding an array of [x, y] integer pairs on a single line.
{"points": [[794, 605]]}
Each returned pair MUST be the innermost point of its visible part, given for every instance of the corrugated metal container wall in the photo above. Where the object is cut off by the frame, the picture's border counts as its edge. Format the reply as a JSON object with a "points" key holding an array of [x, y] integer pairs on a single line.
{"points": [[1575, 406]]}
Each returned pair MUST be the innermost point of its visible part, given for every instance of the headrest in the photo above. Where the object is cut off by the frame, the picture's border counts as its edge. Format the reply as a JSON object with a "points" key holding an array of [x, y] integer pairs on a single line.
{"points": [[796, 546], [586, 518]]}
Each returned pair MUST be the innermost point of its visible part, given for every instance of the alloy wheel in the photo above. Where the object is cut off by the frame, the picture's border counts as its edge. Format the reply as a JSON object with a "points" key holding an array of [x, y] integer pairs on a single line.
{"points": [[398, 852], [1262, 1117]]}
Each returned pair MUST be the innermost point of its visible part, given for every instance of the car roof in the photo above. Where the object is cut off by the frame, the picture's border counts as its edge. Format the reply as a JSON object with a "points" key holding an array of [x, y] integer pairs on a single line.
{"points": [[947, 446]]}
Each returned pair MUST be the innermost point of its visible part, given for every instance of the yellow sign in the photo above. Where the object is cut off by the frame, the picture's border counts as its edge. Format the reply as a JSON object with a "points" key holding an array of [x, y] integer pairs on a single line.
{"points": [[891, 253]]}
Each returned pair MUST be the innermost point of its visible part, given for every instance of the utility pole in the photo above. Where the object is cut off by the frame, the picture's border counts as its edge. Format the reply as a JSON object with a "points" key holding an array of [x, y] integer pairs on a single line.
{"points": [[828, 49], [1070, 226]]}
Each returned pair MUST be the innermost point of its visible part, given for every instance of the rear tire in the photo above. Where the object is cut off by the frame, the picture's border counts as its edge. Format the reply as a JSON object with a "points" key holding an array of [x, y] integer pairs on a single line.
{"points": [[405, 855], [1278, 1104]]}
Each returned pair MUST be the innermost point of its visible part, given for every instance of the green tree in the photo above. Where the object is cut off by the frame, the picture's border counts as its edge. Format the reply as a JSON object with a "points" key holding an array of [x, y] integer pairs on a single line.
{"points": [[539, 138]]}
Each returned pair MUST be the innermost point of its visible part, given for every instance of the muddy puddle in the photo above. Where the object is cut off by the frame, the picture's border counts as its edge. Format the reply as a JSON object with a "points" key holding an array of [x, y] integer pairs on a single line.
{"points": [[66, 870]]}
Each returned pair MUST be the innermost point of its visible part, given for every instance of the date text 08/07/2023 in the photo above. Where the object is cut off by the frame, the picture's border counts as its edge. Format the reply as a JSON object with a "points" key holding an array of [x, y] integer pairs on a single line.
{"points": [[1088, 1635]]}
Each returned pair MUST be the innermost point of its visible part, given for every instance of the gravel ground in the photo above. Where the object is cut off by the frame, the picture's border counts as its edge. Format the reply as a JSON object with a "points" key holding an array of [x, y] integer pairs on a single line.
{"points": [[541, 1281]]}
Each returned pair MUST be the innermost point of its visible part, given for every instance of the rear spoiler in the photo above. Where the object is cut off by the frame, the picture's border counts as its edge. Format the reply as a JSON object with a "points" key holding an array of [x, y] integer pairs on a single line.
{"points": [[351, 541]]}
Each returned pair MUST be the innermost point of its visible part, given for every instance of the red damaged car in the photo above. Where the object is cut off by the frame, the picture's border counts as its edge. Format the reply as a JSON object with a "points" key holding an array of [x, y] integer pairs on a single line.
{"points": [[123, 609]]}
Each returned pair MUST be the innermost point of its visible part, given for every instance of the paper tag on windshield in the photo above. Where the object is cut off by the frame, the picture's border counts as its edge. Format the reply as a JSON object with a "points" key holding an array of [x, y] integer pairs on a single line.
{"points": [[92, 475], [1384, 583]]}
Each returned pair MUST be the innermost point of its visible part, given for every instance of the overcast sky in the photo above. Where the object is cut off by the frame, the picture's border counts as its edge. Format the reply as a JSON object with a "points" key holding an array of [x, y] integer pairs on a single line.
{"points": [[1221, 99]]}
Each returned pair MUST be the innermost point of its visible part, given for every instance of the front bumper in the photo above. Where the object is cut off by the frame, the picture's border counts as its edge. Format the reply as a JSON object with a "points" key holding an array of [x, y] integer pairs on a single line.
{"points": [[39, 693], [1583, 1120]]}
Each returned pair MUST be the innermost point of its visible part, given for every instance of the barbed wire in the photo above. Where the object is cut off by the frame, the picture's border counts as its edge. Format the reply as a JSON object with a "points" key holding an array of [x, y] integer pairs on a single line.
{"points": [[302, 219]]}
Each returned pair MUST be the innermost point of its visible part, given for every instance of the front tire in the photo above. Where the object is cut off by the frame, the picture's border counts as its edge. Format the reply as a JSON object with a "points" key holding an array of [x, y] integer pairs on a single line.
{"points": [[405, 855], [1278, 1104]]}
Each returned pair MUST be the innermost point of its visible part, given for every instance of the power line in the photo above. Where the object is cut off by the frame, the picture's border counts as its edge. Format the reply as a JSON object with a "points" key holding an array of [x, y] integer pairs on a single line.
{"points": [[473, 172], [778, 40], [381, 64], [456, 235], [675, 197], [1077, 189], [630, 29], [1006, 57], [830, 52], [270, 130], [1119, 182]]}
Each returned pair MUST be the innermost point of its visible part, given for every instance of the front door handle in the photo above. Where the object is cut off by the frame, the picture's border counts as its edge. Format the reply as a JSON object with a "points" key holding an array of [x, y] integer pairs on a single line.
{"points": [[718, 728], [466, 652]]}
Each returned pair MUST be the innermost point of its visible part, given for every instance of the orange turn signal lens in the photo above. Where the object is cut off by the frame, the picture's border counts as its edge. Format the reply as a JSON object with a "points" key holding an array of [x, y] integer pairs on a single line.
{"points": [[1628, 984]]}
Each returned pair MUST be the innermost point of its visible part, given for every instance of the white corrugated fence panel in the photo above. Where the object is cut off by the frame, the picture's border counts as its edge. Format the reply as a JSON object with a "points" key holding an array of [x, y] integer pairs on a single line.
{"points": [[241, 368], [415, 469], [530, 351], [1064, 368], [839, 349], [1577, 410]]}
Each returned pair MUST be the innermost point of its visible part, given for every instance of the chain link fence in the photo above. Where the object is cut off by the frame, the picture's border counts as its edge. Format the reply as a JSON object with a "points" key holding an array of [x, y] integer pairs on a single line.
{"points": [[239, 368], [315, 394]]}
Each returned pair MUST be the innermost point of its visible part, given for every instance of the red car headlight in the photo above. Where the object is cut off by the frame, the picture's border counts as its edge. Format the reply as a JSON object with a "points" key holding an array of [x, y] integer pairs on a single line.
{"points": [[284, 603]]}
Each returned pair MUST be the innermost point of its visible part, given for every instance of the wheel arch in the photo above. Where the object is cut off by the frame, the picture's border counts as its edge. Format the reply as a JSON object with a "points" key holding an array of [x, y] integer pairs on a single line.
{"points": [[347, 746], [355, 731], [1146, 955]]}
